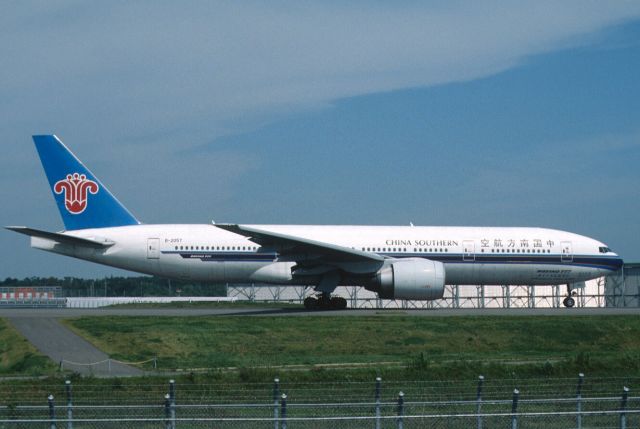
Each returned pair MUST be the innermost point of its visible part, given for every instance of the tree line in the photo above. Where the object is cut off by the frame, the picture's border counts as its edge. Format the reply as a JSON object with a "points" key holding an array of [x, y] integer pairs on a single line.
{"points": [[120, 286]]}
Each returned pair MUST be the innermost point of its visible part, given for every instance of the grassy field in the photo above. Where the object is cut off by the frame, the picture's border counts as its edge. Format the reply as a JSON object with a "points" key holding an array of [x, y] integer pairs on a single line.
{"points": [[18, 356], [459, 347], [427, 358]]}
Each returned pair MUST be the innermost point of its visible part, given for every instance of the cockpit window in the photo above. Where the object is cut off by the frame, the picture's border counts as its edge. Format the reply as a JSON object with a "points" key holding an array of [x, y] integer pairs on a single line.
{"points": [[604, 249]]}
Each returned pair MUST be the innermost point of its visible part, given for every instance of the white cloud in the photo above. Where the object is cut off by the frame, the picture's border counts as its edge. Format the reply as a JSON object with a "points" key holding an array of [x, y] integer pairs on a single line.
{"points": [[190, 67]]}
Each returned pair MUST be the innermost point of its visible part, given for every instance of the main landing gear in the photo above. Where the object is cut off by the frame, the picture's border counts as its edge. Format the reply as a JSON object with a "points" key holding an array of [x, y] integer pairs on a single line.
{"points": [[569, 301], [325, 301]]}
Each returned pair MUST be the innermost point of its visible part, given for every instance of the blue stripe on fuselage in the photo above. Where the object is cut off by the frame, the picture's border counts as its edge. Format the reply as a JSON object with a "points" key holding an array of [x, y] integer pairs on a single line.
{"points": [[226, 256]]}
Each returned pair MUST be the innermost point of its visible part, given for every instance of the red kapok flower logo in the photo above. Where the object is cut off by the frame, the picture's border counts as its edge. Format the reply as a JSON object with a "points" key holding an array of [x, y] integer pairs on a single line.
{"points": [[76, 187]]}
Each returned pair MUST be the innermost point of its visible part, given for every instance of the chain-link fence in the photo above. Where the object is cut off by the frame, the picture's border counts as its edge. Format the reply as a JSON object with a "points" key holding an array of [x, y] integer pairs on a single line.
{"points": [[375, 408]]}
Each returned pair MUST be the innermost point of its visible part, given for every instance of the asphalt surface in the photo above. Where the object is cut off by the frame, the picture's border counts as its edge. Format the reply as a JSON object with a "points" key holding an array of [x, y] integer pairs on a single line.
{"points": [[64, 347]]}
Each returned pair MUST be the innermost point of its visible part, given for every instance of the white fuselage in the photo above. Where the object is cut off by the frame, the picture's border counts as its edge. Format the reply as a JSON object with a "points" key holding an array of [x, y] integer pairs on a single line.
{"points": [[471, 255]]}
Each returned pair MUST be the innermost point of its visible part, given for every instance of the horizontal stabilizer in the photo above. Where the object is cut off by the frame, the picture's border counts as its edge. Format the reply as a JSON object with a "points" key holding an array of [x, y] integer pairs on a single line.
{"points": [[60, 237]]}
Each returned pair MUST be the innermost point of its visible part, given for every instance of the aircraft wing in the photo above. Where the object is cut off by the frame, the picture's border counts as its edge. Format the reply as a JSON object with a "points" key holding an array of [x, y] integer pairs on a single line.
{"points": [[301, 249], [60, 238]]}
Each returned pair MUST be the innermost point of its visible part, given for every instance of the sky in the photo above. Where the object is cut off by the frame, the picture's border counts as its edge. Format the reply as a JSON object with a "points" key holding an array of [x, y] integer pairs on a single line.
{"points": [[326, 112]]}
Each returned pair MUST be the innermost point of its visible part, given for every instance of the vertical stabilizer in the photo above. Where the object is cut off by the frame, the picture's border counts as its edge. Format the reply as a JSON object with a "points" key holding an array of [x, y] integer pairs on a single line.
{"points": [[84, 202]]}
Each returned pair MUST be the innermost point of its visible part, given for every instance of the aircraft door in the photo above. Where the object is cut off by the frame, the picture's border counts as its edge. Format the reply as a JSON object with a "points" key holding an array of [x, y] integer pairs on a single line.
{"points": [[566, 251], [468, 250], [153, 248]]}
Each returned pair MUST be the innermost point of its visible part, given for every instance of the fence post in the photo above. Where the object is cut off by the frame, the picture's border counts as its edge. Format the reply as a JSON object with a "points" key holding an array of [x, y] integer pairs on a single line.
{"points": [[377, 400], [172, 403], [283, 411], [514, 409], [167, 411], [52, 412], [623, 408], [479, 402], [69, 404], [579, 401], [276, 395], [400, 409]]}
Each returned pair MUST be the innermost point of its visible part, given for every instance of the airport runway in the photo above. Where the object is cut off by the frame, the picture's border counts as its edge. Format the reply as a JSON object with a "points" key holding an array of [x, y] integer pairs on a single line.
{"points": [[58, 313]]}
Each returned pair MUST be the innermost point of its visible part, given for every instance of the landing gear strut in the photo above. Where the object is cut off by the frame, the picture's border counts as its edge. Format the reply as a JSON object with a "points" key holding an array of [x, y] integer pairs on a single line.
{"points": [[325, 301], [569, 301]]}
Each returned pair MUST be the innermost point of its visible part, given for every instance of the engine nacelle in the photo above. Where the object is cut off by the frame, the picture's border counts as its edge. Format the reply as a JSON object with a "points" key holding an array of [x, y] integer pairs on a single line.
{"points": [[410, 278]]}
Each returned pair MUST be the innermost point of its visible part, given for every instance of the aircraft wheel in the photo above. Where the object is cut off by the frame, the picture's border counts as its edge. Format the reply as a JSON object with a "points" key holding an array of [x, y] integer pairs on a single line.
{"points": [[343, 303], [338, 303], [569, 302], [310, 303]]}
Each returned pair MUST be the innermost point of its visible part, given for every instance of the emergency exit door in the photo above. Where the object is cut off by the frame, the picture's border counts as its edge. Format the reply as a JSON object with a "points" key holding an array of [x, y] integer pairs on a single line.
{"points": [[153, 248], [567, 251], [468, 250]]}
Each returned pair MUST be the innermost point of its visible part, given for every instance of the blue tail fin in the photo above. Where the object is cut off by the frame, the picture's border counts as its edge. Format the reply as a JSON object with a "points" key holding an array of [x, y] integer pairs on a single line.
{"points": [[84, 202]]}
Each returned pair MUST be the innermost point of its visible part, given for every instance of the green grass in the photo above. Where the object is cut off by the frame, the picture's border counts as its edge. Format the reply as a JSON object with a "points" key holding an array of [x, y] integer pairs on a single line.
{"points": [[440, 347], [440, 358], [18, 356]]}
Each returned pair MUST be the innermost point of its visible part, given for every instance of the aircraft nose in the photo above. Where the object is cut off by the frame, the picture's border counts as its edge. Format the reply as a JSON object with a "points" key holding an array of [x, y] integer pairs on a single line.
{"points": [[617, 262]]}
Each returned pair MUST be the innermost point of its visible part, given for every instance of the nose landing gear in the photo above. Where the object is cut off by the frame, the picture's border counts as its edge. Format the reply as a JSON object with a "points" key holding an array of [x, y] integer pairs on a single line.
{"points": [[569, 301], [325, 301]]}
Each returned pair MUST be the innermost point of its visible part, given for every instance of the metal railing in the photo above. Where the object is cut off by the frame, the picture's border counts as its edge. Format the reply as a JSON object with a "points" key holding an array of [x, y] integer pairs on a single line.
{"points": [[279, 410]]}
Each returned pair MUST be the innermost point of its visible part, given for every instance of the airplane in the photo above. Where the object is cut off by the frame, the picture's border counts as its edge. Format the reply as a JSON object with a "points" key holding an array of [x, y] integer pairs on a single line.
{"points": [[396, 262]]}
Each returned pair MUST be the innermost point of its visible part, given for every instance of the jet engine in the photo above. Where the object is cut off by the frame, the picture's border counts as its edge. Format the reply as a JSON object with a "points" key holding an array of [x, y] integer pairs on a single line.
{"points": [[410, 278]]}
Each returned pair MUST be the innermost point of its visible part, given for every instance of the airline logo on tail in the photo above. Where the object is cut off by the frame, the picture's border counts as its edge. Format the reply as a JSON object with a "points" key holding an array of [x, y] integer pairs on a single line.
{"points": [[76, 188]]}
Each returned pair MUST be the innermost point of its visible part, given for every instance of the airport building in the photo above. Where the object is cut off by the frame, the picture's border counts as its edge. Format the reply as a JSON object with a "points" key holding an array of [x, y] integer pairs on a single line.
{"points": [[31, 296], [623, 288]]}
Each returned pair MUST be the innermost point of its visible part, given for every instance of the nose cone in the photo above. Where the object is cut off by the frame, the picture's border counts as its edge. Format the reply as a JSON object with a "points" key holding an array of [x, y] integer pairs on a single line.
{"points": [[611, 260], [616, 262]]}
